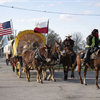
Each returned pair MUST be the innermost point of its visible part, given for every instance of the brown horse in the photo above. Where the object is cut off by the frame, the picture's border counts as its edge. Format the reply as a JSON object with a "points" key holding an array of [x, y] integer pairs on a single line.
{"points": [[93, 63], [36, 59], [57, 50], [66, 60]]}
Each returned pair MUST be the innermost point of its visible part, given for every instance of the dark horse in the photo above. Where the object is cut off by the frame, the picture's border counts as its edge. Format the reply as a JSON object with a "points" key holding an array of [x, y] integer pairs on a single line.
{"points": [[67, 60], [36, 59], [93, 63]]}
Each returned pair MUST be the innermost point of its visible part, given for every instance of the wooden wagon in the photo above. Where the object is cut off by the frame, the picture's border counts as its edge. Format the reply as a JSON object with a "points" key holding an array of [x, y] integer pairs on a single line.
{"points": [[26, 37]]}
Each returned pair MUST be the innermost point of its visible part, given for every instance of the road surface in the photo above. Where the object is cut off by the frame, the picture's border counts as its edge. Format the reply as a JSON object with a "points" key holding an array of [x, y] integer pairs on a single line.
{"points": [[14, 88]]}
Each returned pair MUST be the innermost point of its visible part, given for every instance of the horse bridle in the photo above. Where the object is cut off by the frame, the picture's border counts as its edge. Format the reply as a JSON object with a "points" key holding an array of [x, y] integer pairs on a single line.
{"points": [[42, 57], [59, 47]]}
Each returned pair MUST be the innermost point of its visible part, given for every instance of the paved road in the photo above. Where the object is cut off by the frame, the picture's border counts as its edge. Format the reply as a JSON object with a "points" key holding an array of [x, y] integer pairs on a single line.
{"points": [[13, 88]]}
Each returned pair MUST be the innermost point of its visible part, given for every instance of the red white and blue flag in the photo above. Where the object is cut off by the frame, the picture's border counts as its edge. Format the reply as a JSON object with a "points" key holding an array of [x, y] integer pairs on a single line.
{"points": [[5, 28], [41, 27]]}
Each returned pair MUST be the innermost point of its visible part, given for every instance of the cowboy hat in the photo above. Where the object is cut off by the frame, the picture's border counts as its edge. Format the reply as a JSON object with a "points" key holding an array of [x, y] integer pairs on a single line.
{"points": [[68, 35]]}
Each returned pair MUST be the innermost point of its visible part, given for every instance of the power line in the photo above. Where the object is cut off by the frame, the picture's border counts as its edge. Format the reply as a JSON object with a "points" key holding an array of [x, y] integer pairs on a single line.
{"points": [[49, 11]]}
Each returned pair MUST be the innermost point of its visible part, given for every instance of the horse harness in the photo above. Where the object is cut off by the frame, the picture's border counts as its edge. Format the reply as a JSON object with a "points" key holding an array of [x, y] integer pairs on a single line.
{"points": [[36, 55]]}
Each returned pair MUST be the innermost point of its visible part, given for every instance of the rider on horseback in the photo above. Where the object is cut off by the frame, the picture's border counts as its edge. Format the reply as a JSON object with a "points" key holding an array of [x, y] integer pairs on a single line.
{"points": [[92, 43], [69, 42]]}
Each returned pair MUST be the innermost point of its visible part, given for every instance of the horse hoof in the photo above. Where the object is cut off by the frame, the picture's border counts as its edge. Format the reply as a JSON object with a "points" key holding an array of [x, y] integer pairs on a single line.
{"points": [[81, 82], [45, 79], [85, 84], [38, 81], [72, 76], [28, 80], [54, 80], [41, 82], [65, 79], [48, 79], [98, 87]]}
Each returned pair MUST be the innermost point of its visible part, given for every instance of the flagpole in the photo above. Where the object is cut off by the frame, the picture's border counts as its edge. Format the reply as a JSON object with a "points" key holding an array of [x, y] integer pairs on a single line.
{"points": [[47, 32], [13, 35], [1, 49]]}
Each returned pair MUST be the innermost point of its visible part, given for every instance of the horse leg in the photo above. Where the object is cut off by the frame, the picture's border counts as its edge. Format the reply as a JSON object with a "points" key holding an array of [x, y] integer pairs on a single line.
{"points": [[79, 72], [65, 73], [53, 69], [28, 75], [26, 71], [49, 74], [85, 70], [38, 76], [72, 74], [96, 77], [44, 74], [73, 66]]}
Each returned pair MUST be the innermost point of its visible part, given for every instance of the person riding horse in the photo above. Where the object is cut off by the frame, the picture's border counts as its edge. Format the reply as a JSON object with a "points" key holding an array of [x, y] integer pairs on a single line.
{"points": [[92, 45], [68, 42]]}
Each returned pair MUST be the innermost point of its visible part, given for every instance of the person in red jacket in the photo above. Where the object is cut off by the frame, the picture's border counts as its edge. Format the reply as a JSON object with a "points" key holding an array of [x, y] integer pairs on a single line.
{"points": [[92, 45]]}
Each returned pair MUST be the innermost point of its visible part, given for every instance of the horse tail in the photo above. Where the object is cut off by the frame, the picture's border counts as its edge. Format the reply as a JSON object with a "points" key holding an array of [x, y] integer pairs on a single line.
{"points": [[73, 66]]}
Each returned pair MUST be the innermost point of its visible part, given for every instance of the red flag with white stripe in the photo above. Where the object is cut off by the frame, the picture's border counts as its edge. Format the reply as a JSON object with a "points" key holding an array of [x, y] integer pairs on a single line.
{"points": [[41, 27]]}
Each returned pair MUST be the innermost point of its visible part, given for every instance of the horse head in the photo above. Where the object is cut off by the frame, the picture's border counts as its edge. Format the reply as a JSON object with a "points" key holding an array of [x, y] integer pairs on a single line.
{"points": [[60, 47], [46, 52]]}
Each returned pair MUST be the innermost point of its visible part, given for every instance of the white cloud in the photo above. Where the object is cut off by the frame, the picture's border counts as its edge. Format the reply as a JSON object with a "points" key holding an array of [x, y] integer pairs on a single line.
{"points": [[17, 20], [52, 4], [4, 1], [88, 12], [22, 20], [66, 17], [97, 4], [59, 2]]}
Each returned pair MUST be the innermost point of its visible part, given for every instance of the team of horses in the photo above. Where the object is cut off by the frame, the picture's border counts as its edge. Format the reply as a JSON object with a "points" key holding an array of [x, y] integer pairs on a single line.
{"points": [[58, 54]]}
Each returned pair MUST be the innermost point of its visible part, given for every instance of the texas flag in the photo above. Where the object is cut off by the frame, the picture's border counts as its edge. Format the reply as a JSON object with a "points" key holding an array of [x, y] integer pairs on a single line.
{"points": [[41, 27]]}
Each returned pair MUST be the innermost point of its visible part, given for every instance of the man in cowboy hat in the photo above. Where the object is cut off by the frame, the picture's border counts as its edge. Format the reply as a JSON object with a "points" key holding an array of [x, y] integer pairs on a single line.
{"points": [[68, 42]]}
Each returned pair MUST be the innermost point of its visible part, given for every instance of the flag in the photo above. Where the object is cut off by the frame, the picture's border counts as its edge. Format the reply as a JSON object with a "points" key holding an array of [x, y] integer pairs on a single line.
{"points": [[41, 27], [5, 28], [5, 41]]}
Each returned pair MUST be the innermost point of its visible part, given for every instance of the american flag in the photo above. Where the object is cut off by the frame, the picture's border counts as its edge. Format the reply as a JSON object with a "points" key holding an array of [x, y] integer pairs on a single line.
{"points": [[5, 28]]}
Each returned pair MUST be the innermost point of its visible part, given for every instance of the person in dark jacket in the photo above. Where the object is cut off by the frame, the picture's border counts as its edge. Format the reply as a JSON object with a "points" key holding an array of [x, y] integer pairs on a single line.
{"points": [[92, 44], [69, 42]]}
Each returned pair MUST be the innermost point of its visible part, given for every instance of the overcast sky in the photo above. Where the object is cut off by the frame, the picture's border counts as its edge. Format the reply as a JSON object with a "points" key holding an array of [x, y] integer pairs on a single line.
{"points": [[65, 17]]}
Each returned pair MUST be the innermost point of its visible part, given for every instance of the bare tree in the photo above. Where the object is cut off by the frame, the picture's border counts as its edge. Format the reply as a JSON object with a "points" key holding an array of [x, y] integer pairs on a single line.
{"points": [[79, 44], [51, 37]]}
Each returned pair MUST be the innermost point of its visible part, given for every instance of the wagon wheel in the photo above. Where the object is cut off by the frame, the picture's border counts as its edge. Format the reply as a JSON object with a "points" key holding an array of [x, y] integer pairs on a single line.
{"points": [[18, 70]]}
